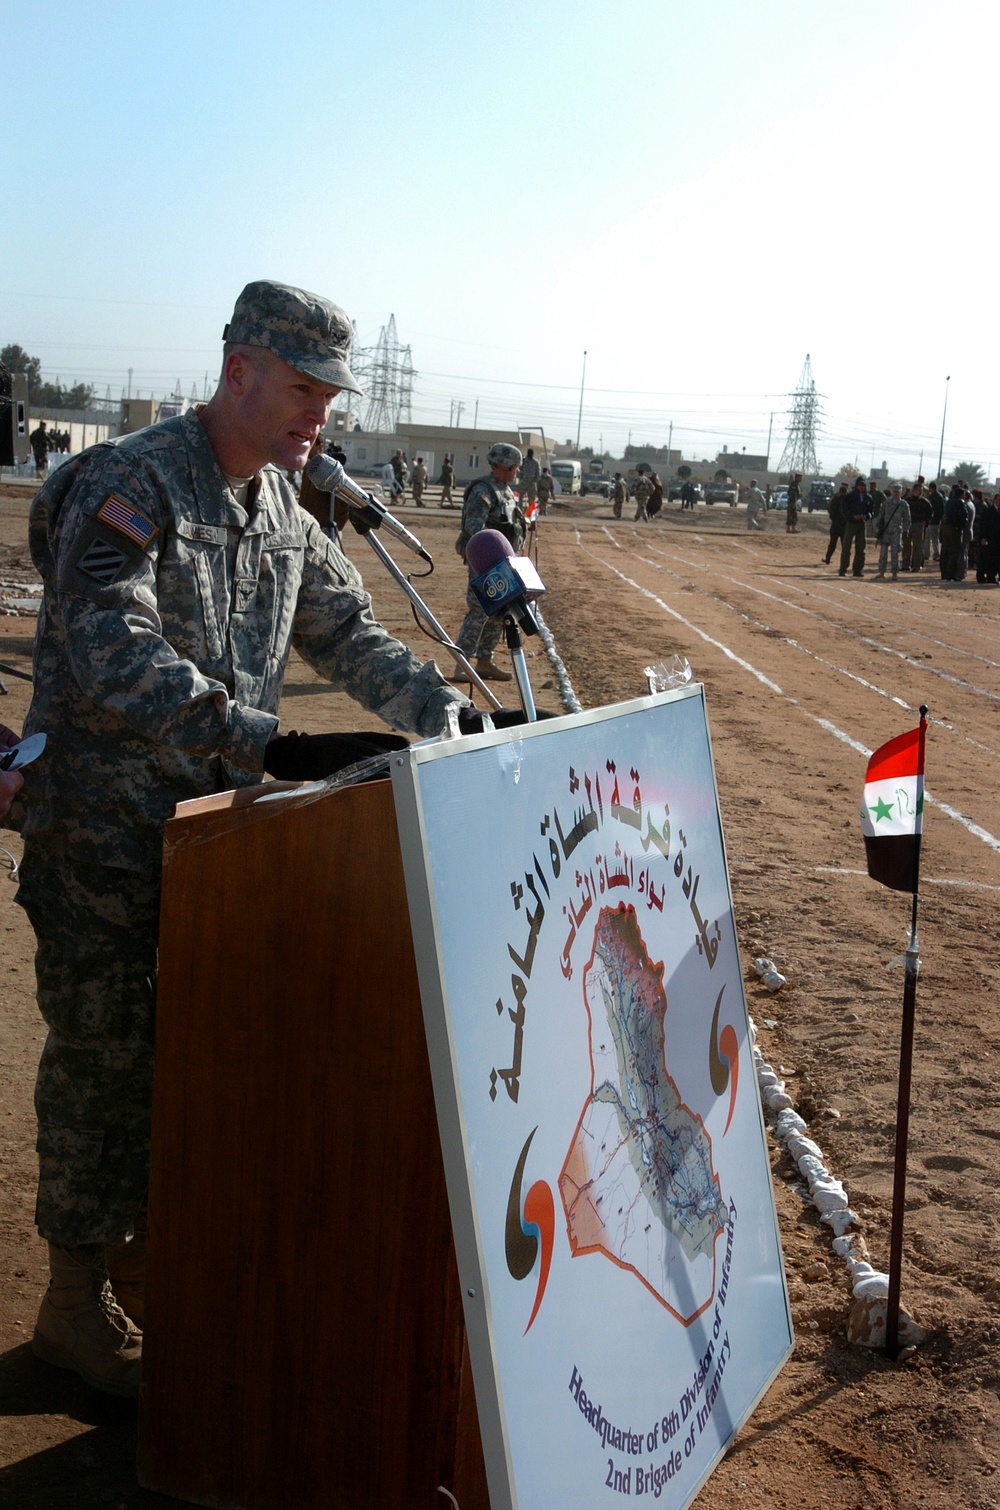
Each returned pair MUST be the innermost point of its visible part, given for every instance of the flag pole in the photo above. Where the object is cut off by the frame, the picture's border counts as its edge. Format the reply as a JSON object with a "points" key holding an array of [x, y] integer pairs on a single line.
{"points": [[903, 1094]]}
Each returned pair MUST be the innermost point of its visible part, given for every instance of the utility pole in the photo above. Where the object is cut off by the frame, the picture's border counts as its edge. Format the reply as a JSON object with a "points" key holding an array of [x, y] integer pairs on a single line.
{"points": [[130, 382], [579, 418], [670, 441], [943, 418], [451, 415], [475, 422], [459, 406], [767, 460]]}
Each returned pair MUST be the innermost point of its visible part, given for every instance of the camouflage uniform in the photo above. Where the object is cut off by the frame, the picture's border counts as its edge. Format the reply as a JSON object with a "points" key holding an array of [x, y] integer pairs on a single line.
{"points": [[643, 493], [619, 493], [447, 483], [168, 618], [488, 506], [546, 492], [528, 480], [892, 527]]}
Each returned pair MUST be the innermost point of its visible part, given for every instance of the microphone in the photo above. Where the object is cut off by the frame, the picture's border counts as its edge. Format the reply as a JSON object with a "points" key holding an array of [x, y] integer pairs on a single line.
{"points": [[366, 514], [503, 583]]}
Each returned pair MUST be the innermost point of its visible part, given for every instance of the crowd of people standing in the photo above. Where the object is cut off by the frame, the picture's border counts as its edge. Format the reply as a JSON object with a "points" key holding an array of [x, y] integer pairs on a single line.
{"points": [[916, 527]]}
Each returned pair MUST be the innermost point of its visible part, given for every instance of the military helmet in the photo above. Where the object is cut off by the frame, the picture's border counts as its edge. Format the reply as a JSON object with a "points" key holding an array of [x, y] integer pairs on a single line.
{"points": [[503, 455]]}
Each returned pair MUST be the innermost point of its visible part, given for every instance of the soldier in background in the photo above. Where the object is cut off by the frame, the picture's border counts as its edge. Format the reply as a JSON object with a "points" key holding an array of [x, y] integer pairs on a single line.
{"points": [[418, 479], [399, 474], [546, 490], [792, 506], [528, 480], [490, 504], [643, 493], [38, 440], [837, 509], [177, 566], [892, 527], [619, 493], [876, 498], [920, 513], [936, 500], [447, 480]]}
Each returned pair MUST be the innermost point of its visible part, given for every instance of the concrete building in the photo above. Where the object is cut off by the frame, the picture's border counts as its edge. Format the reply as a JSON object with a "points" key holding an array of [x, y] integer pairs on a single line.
{"points": [[366, 451]]}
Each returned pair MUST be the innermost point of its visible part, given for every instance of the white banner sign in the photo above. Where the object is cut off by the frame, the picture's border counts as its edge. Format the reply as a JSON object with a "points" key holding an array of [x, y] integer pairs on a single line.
{"points": [[602, 1133]]}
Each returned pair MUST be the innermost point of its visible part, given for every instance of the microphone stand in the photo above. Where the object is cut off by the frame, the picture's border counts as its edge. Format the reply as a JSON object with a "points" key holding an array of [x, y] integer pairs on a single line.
{"points": [[515, 644], [421, 607]]}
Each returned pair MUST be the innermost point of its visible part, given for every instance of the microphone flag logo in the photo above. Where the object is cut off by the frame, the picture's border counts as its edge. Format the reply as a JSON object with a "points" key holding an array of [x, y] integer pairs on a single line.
{"points": [[724, 1060], [527, 1234]]}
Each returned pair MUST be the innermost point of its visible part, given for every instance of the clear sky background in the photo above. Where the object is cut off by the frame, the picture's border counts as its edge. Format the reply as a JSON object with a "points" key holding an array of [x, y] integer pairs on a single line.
{"points": [[697, 194]]}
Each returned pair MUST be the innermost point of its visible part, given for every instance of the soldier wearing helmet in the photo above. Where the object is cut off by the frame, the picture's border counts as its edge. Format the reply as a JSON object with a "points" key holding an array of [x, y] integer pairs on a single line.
{"points": [[490, 504]]}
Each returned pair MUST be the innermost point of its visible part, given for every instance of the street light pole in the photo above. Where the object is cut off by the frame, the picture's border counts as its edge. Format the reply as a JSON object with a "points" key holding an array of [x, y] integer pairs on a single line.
{"points": [[579, 418], [944, 416]]}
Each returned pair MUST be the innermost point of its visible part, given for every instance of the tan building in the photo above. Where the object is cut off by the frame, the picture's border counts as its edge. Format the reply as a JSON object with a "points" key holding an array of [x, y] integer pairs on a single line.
{"points": [[468, 447]]}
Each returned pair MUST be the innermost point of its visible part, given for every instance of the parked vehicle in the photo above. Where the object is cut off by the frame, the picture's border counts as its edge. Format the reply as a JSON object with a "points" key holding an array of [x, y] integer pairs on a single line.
{"points": [[821, 490], [779, 498], [597, 482], [722, 489], [568, 474]]}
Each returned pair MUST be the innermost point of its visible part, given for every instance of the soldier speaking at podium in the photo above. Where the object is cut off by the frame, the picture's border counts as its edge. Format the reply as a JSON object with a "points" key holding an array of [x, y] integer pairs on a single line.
{"points": [[178, 571]]}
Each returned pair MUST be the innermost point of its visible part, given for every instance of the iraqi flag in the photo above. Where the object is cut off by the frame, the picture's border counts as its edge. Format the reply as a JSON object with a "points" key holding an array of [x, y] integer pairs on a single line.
{"points": [[892, 810]]}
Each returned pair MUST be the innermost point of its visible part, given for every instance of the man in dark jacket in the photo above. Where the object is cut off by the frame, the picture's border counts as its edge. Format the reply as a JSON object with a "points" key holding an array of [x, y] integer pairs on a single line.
{"points": [[857, 511], [837, 509]]}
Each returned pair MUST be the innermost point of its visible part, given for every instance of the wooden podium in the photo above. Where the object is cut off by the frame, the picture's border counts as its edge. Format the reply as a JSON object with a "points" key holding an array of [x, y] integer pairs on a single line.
{"points": [[305, 1343]]}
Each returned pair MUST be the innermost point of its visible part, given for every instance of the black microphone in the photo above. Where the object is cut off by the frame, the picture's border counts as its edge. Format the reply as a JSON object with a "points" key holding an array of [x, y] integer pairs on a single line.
{"points": [[503, 583], [366, 514]]}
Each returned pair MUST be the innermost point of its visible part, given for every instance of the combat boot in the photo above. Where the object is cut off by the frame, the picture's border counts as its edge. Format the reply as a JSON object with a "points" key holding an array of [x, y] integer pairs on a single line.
{"points": [[491, 672], [126, 1265], [80, 1327]]}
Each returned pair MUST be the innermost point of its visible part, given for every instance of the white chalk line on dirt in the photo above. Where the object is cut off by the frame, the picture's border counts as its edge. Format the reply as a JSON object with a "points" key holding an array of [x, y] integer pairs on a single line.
{"points": [[824, 723], [921, 665], [884, 589], [984, 660], [784, 639], [842, 870]]}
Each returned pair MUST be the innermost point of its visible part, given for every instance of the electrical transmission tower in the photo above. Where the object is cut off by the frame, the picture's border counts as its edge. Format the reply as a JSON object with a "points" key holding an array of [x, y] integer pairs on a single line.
{"points": [[385, 372], [799, 454]]}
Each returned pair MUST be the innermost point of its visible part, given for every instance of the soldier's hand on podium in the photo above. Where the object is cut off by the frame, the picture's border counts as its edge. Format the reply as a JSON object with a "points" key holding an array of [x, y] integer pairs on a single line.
{"points": [[470, 720], [312, 757]]}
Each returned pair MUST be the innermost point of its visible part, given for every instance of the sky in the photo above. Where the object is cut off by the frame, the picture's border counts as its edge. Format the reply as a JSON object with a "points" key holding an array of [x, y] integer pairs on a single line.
{"points": [[695, 195]]}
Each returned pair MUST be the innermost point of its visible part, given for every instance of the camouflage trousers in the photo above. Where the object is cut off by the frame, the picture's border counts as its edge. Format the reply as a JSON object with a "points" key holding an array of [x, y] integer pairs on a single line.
{"points": [[478, 635], [96, 930]]}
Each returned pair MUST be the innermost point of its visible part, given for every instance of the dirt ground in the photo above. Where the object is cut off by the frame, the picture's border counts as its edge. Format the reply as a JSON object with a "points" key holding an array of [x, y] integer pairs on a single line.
{"points": [[804, 671]]}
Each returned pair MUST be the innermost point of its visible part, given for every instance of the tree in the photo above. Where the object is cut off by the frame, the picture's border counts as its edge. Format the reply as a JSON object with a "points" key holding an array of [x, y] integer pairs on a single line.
{"points": [[969, 472], [684, 471], [16, 359], [847, 473], [44, 395]]}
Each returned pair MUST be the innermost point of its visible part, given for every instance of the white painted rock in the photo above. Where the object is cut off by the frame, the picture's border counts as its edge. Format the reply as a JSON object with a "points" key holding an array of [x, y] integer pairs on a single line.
{"points": [[866, 1324], [871, 1284]]}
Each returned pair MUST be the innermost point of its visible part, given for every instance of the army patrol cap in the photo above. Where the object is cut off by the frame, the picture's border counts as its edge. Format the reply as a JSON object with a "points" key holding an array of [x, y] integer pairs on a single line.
{"points": [[503, 455], [305, 330]]}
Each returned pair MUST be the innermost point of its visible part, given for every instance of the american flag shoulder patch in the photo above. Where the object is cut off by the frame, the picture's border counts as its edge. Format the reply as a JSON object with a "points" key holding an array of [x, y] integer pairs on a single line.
{"points": [[123, 517]]}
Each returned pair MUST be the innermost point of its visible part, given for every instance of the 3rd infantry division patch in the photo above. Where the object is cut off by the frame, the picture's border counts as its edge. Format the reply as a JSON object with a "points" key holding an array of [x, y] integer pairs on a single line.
{"points": [[102, 561]]}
